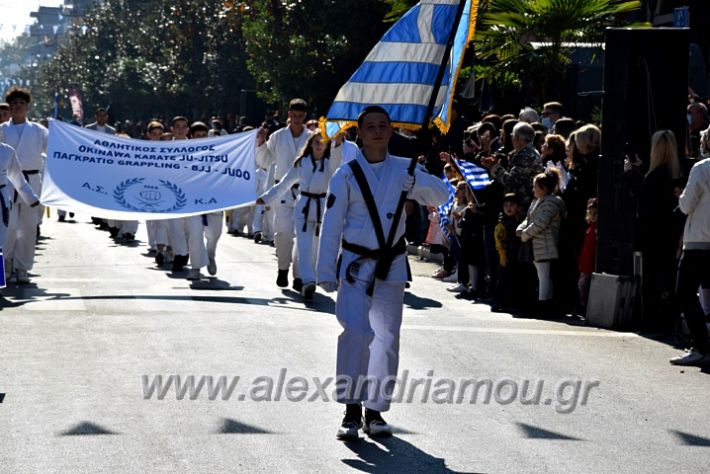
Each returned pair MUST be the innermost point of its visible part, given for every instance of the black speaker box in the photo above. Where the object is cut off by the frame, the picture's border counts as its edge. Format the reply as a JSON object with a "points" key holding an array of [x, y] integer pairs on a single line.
{"points": [[645, 89]]}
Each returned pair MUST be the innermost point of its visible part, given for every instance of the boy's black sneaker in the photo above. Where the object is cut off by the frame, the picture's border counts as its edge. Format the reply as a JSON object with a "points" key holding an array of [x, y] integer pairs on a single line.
{"points": [[375, 425], [282, 279], [352, 422]]}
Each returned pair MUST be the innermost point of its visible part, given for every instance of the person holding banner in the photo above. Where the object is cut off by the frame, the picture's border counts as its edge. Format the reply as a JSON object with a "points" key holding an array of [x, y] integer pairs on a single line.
{"points": [[360, 211], [158, 228], [11, 174], [179, 230], [29, 140], [205, 250], [280, 150], [311, 171]]}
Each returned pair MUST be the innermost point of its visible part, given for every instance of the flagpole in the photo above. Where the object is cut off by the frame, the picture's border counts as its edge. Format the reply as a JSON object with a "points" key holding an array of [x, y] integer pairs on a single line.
{"points": [[430, 107], [442, 66]]}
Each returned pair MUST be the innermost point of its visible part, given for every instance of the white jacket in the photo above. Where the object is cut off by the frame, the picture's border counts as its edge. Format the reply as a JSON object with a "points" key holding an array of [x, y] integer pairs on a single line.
{"points": [[32, 147], [281, 149], [312, 178], [12, 179], [347, 217], [695, 202]]}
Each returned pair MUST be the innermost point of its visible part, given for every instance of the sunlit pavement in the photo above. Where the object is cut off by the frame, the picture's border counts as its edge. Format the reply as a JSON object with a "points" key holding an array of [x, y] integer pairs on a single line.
{"points": [[99, 319]]}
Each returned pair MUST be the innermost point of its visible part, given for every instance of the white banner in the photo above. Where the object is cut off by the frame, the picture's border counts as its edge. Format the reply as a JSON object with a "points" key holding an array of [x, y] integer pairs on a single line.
{"points": [[120, 178]]}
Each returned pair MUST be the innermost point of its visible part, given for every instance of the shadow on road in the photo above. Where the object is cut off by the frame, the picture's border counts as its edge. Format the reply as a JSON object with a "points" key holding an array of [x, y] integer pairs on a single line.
{"points": [[417, 302], [230, 426], [534, 432], [392, 455], [688, 439], [86, 428], [28, 293]]}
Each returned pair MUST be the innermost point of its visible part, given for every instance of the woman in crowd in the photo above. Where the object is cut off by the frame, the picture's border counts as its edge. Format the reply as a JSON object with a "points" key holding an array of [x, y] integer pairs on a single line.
{"points": [[657, 193]]}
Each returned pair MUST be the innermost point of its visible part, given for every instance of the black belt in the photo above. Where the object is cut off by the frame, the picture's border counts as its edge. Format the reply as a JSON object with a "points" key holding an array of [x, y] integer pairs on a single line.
{"points": [[383, 257], [27, 174], [293, 190], [307, 209]]}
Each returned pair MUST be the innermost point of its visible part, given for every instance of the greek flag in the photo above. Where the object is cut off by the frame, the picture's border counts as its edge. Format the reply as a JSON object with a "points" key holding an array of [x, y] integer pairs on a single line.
{"points": [[400, 73], [476, 176], [445, 208]]}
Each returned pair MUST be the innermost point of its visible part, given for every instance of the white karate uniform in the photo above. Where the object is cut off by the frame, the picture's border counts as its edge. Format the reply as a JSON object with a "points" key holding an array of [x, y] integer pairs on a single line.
{"points": [[369, 343], [263, 218], [213, 231], [312, 177], [241, 217], [350, 151], [30, 143], [281, 150], [187, 237], [11, 180], [157, 233]]}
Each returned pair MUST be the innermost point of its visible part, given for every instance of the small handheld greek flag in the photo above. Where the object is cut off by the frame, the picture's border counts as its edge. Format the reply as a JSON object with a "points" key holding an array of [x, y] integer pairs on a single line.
{"points": [[445, 208], [476, 176]]}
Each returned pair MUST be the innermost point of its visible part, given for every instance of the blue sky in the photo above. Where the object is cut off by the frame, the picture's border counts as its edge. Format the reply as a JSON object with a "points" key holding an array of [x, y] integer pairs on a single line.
{"points": [[15, 15]]}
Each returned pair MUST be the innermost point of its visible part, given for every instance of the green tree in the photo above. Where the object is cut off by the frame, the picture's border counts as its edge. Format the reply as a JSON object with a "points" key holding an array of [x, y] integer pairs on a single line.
{"points": [[153, 58], [508, 30], [310, 48]]}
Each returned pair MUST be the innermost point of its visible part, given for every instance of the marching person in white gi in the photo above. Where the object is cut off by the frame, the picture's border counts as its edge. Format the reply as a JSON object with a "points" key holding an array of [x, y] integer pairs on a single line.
{"points": [[12, 180], [262, 214], [311, 171], [29, 140], [125, 230], [281, 149], [158, 228], [354, 244], [203, 248], [184, 233]]}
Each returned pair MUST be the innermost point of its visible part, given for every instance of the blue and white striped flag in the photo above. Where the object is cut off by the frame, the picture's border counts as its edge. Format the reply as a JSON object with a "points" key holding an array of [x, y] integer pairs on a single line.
{"points": [[400, 72], [476, 176], [445, 208]]}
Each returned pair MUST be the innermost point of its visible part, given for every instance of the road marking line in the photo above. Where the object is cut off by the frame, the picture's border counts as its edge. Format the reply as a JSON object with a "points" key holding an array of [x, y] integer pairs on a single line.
{"points": [[540, 332]]}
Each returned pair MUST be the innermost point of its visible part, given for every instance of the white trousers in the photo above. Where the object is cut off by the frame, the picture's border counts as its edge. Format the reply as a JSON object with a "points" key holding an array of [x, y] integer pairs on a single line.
{"points": [[368, 347], [307, 245], [284, 223], [21, 238], [244, 216], [213, 231], [187, 238], [544, 277], [263, 222], [157, 232]]}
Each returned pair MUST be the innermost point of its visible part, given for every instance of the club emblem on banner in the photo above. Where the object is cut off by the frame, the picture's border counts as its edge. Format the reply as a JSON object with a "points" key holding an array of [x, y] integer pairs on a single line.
{"points": [[135, 195]]}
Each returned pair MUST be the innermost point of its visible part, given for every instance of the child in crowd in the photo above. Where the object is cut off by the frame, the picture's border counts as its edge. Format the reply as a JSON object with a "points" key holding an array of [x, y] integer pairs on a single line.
{"points": [[472, 258], [461, 200], [508, 247], [438, 243], [588, 255], [542, 226]]}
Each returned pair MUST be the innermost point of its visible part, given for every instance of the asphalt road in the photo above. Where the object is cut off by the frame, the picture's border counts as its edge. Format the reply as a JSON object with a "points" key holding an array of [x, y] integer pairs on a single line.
{"points": [[81, 346]]}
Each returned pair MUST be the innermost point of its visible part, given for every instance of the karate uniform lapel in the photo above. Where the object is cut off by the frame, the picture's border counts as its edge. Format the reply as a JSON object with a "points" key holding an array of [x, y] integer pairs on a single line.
{"points": [[380, 188], [24, 145], [386, 189]]}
